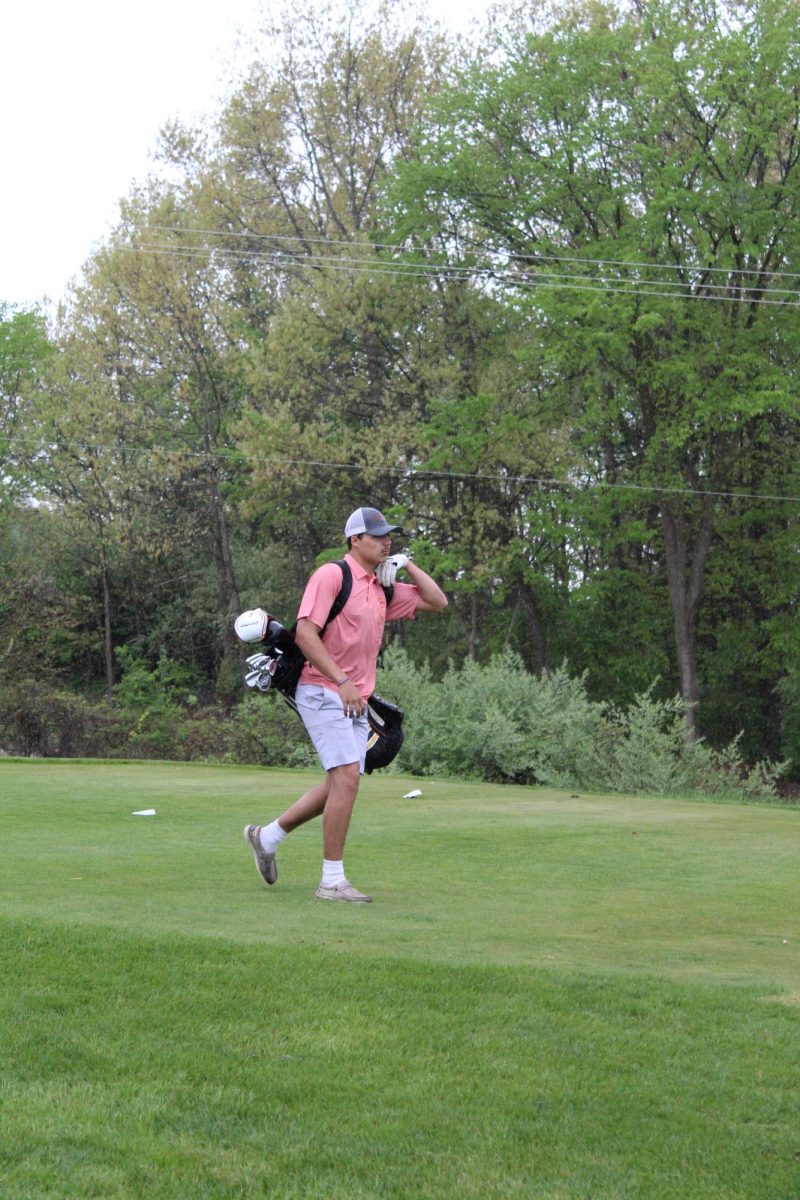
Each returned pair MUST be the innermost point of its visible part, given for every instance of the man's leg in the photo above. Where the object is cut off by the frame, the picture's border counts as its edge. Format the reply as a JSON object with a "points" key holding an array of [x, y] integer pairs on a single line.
{"points": [[265, 839], [310, 805], [334, 736], [334, 798], [338, 790], [343, 788], [334, 884]]}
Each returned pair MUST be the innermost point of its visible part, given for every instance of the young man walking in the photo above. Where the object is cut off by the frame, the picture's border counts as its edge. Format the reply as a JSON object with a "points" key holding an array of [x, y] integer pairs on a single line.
{"points": [[337, 680]]}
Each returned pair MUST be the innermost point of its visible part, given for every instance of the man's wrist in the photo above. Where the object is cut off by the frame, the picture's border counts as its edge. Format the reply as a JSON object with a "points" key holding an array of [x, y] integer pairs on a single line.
{"points": [[344, 679]]}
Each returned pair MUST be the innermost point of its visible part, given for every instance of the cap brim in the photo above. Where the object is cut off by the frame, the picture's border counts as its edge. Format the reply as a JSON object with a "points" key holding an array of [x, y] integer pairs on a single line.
{"points": [[382, 530]]}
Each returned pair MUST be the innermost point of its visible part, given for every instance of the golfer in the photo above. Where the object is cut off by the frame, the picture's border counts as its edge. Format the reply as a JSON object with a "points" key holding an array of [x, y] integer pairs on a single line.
{"points": [[337, 680]]}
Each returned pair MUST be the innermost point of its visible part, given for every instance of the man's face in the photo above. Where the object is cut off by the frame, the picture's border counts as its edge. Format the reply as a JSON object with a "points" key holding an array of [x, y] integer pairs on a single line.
{"points": [[374, 550]]}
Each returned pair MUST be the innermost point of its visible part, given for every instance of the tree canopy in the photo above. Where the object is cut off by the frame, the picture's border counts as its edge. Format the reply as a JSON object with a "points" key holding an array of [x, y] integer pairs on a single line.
{"points": [[535, 296]]}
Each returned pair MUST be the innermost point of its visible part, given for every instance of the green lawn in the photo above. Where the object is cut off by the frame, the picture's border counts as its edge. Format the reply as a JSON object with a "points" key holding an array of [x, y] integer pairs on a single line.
{"points": [[553, 996]]}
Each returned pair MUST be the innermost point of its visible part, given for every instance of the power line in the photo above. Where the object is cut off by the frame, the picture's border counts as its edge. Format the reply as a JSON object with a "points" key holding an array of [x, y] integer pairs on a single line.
{"points": [[558, 258], [498, 477], [411, 473], [422, 268], [530, 276]]}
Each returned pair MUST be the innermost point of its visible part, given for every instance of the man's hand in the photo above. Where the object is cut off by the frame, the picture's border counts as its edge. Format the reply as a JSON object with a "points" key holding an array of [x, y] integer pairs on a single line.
{"points": [[352, 701], [385, 573]]}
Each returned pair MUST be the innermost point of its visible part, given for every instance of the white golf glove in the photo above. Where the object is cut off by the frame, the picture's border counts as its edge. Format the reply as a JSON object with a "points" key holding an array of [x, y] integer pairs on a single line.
{"points": [[386, 572], [251, 626]]}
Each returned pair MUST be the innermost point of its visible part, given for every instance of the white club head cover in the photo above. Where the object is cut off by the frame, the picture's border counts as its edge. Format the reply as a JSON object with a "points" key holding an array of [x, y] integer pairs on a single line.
{"points": [[386, 571], [251, 626]]}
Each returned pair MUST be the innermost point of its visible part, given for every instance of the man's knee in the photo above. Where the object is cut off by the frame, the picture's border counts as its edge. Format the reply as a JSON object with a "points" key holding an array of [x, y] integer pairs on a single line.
{"points": [[345, 777]]}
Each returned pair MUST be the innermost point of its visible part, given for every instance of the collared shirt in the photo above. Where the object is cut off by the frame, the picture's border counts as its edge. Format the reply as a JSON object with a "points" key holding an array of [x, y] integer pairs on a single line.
{"points": [[353, 639]]}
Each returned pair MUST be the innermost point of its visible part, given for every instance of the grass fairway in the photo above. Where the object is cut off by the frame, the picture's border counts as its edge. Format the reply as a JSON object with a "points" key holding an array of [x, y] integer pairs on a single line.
{"points": [[553, 997]]}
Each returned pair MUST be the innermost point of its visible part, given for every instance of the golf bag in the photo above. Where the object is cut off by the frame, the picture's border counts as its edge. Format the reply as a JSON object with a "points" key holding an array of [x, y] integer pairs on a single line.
{"points": [[281, 666], [386, 732]]}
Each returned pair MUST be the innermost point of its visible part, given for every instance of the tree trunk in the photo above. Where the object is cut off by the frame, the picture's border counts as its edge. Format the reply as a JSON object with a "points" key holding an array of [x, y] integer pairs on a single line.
{"points": [[536, 632], [108, 648], [686, 572], [472, 631], [226, 578], [228, 587]]}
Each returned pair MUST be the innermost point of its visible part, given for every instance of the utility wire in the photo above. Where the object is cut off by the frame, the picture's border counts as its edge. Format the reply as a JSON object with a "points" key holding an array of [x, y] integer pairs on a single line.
{"points": [[431, 269], [531, 276], [411, 472], [558, 258]]}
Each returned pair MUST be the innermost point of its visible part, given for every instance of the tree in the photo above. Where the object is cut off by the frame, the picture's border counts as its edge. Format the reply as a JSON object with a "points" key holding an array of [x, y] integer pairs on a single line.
{"points": [[90, 445], [481, 494], [290, 188], [152, 321], [632, 180], [24, 351]]}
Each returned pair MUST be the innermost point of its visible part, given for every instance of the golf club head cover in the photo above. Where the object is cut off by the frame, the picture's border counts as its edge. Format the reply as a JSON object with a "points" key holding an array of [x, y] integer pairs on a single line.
{"points": [[251, 626]]}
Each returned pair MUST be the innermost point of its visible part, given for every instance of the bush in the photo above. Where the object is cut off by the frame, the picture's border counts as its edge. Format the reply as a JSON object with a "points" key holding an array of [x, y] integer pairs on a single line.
{"points": [[263, 730], [151, 703], [497, 722], [650, 748], [42, 721], [789, 692], [651, 752]]}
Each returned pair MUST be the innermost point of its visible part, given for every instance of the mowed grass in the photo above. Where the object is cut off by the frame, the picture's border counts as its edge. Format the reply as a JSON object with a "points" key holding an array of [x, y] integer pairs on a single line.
{"points": [[553, 996]]}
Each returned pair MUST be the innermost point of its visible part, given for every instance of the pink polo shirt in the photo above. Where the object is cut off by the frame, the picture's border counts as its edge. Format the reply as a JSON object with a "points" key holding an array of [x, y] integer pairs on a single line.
{"points": [[353, 639]]}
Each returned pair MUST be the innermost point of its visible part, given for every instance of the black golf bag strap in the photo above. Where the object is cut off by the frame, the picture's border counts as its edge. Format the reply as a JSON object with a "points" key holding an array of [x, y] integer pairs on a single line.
{"points": [[343, 596], [344, 593]]}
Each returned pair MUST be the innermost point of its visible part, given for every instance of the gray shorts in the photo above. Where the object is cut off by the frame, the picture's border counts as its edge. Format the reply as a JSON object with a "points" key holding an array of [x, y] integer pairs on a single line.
{"points": [[337, 739]]}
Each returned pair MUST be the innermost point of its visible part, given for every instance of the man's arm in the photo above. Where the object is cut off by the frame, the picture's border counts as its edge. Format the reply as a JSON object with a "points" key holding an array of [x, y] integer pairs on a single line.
{"points": [[311, 645], [431, 596]]}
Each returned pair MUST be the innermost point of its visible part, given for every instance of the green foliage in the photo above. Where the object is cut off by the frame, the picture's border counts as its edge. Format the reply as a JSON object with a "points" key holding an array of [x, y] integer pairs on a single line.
{"points": [[631, 165], [652, 752], [153, 700], [498, 722], [24, 353], [395, 274], [158, 689], [789, 688], [487, 454], [265, 731], [43, 721]]}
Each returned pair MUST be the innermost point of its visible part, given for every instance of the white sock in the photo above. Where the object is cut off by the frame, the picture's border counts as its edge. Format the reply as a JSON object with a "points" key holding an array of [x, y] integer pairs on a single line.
{"points": [[332, 872], [271, 836]]}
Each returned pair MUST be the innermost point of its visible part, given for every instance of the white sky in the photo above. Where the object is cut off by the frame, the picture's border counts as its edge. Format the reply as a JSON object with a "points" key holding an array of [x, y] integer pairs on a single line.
{"points": [[85, 87]]}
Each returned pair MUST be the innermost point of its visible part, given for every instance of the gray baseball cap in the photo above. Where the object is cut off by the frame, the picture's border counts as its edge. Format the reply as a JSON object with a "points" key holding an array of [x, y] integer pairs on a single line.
{"points": [[368, 520]]}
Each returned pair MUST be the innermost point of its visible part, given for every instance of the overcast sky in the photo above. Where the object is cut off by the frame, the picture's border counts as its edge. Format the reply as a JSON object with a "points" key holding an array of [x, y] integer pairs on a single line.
{"points": [[85, 88]]}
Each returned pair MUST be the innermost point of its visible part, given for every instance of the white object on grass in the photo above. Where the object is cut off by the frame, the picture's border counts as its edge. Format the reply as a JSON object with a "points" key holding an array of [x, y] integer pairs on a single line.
{"points": [[144, 812], [412, 795]]}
